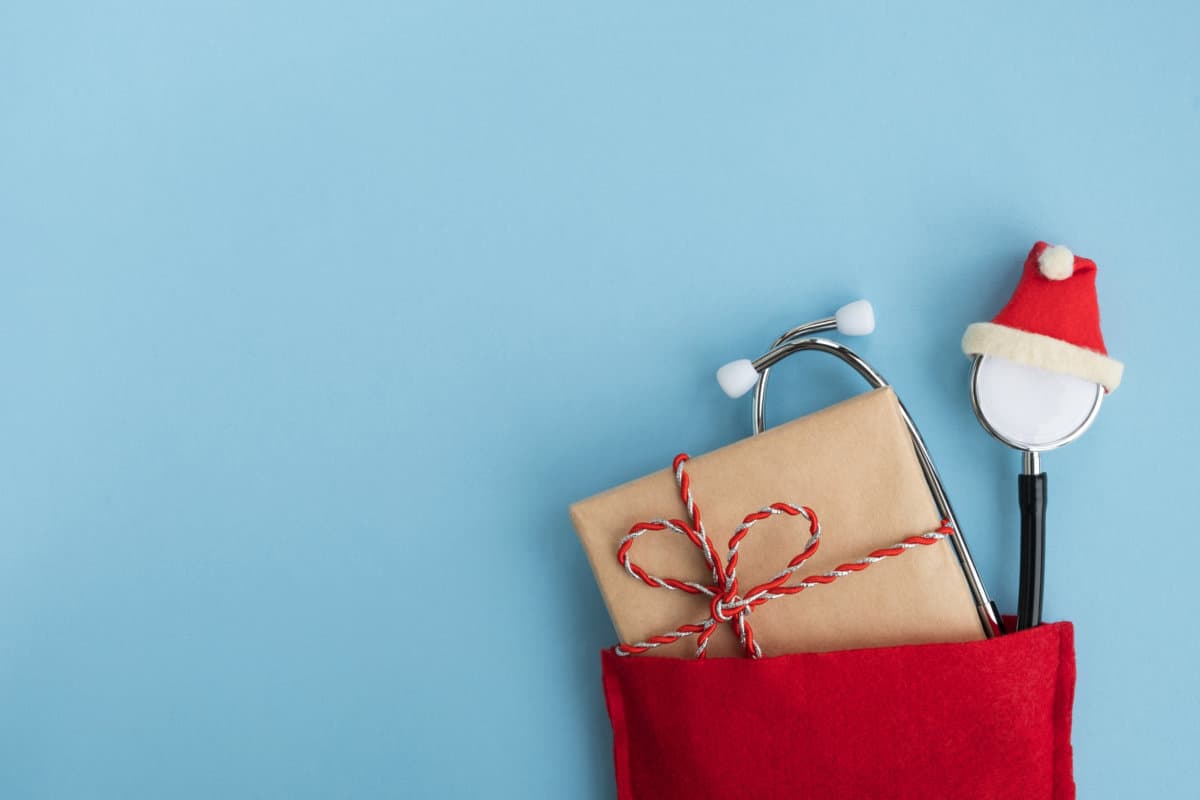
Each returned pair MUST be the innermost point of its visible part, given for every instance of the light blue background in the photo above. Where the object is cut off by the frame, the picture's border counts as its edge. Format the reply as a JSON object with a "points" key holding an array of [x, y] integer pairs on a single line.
{"points": [[314, 317]]}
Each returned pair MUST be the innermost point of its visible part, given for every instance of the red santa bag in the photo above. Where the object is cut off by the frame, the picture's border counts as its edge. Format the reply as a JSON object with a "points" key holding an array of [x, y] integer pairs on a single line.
{"points": [[984, 719], [981, 718]]}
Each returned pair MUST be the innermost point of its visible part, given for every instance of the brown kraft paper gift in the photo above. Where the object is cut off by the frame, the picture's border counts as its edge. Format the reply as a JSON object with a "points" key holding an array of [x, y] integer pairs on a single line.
{"points": [[853, 464]]}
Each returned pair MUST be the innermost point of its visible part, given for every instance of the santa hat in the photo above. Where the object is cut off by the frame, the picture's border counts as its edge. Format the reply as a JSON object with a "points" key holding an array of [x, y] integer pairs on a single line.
{"points": [[1052, 320]]}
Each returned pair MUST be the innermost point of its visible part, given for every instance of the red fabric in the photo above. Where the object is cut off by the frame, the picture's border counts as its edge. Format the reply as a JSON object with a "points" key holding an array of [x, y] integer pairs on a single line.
{"points": [[1065, 309], [988, 719]]}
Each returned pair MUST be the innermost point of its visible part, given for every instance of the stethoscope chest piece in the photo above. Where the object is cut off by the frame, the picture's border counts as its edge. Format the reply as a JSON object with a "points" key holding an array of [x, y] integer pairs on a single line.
{"points": [[1029, 408], [1039, 374]]}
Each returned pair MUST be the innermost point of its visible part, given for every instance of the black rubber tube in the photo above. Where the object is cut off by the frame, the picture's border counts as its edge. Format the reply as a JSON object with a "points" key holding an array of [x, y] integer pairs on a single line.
{"points": [[1031, 491]]}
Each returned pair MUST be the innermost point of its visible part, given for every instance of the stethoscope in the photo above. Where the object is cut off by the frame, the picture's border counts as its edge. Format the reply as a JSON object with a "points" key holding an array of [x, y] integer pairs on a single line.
{"points": [[1032, 410], [856, 319]]}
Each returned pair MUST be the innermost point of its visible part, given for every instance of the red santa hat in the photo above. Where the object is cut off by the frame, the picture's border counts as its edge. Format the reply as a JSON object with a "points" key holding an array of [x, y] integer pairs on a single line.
{"points": [[1052, 320]]}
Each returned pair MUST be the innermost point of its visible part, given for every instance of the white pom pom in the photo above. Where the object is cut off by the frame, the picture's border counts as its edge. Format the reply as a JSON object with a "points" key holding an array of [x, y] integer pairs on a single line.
{"points": [[856, 319], [1057, 262], [737, 377]]}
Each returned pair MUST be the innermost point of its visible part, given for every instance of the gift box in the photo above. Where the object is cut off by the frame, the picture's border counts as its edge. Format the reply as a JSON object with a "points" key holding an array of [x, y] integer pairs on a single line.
{"points": [[853, 464]]}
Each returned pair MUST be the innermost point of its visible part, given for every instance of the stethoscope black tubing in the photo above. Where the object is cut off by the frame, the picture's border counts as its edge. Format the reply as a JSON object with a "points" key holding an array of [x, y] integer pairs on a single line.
{"points": [[1031, 493]]}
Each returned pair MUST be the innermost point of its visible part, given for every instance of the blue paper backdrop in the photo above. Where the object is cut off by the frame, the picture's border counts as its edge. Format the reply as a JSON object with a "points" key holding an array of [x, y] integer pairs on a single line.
{"points": [[314, 317]]}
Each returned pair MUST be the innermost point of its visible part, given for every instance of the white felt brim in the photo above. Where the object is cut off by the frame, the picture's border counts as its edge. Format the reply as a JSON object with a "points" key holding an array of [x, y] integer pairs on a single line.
{"points": [[1023, 347]]}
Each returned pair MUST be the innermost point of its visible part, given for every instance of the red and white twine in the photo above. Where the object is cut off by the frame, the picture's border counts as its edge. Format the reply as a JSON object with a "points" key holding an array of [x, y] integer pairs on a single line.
{"points": [[728, 605]]}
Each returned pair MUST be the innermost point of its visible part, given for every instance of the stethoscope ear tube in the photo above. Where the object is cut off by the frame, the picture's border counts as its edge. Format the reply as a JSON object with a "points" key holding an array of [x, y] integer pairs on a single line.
{"points": [[792, 342]]}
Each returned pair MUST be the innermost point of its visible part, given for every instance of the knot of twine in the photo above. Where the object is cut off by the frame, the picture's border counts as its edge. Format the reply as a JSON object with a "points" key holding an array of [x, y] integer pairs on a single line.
{"points": [[728, 604]]}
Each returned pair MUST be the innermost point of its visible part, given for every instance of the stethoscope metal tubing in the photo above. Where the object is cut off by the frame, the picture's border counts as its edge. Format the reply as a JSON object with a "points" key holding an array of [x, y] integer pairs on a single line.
{"points": [[791, 343], [760, 388]]}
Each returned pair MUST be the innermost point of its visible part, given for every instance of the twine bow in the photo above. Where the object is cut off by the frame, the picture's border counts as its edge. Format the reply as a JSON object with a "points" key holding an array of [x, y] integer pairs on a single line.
{"points": [[728, 605]]}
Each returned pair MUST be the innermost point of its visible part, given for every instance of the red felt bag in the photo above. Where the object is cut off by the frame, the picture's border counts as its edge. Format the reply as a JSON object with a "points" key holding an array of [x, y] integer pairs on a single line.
{"points": [[977, 719], [984, 719]]}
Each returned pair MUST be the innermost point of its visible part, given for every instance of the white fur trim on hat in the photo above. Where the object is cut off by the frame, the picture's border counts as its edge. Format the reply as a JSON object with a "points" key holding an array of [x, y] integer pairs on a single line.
{"points": [[1057, 262], [1036, 350]]}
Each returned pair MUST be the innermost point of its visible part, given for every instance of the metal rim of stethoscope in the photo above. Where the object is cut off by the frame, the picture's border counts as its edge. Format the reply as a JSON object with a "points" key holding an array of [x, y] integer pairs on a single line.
{"points": [[794, 341], [1016, 444]]}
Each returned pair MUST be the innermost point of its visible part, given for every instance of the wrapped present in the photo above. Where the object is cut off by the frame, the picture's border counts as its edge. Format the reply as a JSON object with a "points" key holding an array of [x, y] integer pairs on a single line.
{"points": [[860, 498]]}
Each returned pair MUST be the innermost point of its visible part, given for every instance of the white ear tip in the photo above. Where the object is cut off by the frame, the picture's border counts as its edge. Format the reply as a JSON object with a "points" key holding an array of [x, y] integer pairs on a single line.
{"points": [[737, 377], [856, 319]]}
